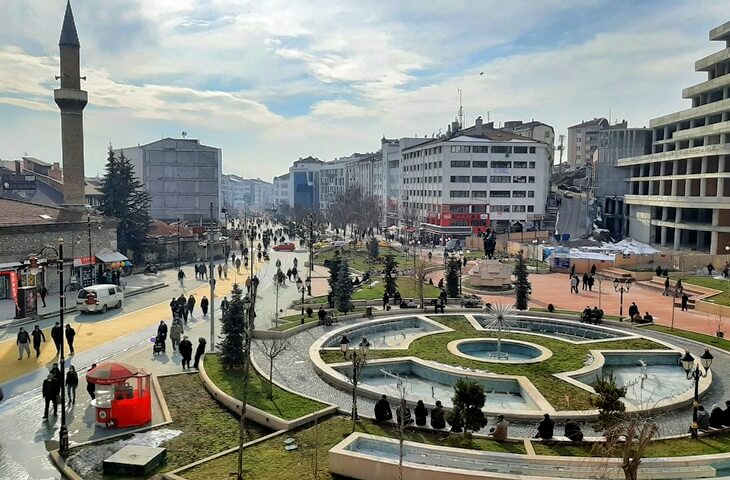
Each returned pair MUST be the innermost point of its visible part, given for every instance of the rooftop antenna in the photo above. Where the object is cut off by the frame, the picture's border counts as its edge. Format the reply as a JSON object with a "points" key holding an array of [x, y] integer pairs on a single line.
{"points": [[184, 134], [488, 116], [461, 111]]}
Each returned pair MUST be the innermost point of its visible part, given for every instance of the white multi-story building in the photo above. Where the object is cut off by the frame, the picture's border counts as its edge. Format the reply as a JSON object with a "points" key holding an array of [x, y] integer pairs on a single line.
{"points": [[281, 190], [389, 187], [679, 194], [246, 194], [534, 130], [463, 182], [583, 140]]}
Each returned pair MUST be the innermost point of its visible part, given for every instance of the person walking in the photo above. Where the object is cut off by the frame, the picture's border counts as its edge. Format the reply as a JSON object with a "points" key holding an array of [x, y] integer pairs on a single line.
{"points": [[72, 381], [199, 351], [204, 305], [23, 342], [191, 306], [70, 335], [162, 330], [633, 310], [186, 351], [573, 284], [50, 391], [181, 277], [175, 334], [182, 308], [224, 305], [38, 337], [43, 292], [666, 287], [585, 281], [238, 265], [220, 271], [685, 301], [57, 336], [173, 307], [91, 387], [225, 271]]}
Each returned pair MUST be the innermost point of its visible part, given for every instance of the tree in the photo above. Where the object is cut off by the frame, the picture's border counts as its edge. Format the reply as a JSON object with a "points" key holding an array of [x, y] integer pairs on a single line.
{"points": [[468, 401], [390, 274], [419, 279], [522, 284], [334, 264], [343, 290], [125, 199], [628, 439], [373, 248], [234, 333], [272, 348], [608, 402], [452, 276]]}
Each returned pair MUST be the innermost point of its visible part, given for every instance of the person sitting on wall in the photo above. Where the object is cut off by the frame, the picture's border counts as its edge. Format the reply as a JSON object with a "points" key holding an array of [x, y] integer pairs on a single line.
{"points": [[499, 431], [573, 431], [551, 308], [597, 315], [648, 318], [383, 413], [545, 428]]}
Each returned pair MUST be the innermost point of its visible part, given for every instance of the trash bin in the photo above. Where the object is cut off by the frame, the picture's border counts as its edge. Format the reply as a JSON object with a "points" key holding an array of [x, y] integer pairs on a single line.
{"points": [[369, 312]]}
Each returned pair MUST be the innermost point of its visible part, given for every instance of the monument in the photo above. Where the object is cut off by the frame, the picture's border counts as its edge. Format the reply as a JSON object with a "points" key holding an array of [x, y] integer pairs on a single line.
{"points": [[71, 100], [490, 273]]}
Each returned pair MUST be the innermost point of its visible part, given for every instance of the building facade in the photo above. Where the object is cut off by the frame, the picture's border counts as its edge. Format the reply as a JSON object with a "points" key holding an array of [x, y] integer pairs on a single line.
{"points": [[246, 194], [281, 191], [679, 193], [182, 176], [583, 140], [539, 131], [464, 182]]}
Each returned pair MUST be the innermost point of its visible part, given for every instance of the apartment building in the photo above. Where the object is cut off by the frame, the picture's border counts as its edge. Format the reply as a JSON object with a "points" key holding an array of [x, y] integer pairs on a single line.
{"points": [[535, 130], [281, 191], [679, 194], [461, 183], [583, 140], [246, 194]]}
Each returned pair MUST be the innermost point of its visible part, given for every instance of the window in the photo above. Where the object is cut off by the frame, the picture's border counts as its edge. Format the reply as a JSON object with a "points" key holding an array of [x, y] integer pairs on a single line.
{"points": [[480, 164], [547, 135], [460, 149], [531, 194], [499, 194], [577, 130], [459, 194], [520, 149], [518, 208], [460, 179], [533, 149], [532, 165], [519, 194], [530, 208], [530, 179], [437, 150], [500, 179], [519, 164], [519, 179], [498, 164], [459, 208], [460, 163], [479, 179], [501, 149], [479, 194], [499, 208], [480, 149], [478, 209]]}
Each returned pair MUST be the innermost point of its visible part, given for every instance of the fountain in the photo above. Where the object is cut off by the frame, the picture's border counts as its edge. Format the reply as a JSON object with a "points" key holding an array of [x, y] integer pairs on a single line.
{"points": [[499, 313]]}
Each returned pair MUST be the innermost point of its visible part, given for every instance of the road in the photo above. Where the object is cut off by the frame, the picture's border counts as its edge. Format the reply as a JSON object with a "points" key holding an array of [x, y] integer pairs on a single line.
{"points": [[23, 433], [572, 216]]}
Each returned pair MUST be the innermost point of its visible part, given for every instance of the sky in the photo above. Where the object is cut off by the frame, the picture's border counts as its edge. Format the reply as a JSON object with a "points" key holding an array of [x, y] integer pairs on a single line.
{"points": [[270, 81]]}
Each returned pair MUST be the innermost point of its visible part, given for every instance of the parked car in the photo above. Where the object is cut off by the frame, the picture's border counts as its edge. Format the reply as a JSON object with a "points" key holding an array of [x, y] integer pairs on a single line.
{"points": [[285, 247], [99, 298], [454, 245], [562, 186], [339, 243], [568, 195], [574, 189]]}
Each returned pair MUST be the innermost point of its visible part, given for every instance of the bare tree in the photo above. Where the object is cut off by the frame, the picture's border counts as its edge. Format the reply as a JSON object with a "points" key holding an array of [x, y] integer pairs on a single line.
{"points": [[272, 348], [314, 463], [419, 277], [401, 425]]}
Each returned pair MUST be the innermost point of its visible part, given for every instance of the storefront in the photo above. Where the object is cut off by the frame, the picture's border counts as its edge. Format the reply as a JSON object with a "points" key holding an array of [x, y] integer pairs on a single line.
{"points": [[9, 280], [111, 265], [83, 271]]}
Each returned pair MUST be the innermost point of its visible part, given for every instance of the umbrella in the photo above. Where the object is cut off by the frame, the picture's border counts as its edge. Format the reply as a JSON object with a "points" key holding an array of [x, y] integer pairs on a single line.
{"points": [[110, 373]]}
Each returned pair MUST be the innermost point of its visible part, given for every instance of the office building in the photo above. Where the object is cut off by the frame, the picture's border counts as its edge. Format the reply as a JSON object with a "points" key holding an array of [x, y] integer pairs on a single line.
{"points": [[679, 193], [246, 195], [583, 140], [281, 191]]}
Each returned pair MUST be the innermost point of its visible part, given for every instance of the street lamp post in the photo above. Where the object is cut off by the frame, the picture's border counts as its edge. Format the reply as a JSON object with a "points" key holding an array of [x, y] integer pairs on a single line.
{"points": [[179, 264], [621, 287], [358, 357], [211, 281], [694, 372]]}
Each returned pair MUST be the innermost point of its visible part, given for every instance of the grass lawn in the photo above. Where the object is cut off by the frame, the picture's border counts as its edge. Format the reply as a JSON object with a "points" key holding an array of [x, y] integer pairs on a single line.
{"points": [[284, 404], [722, 285], [663, 448], [406, 287], [357, 258], [566, 357], [715, 342], [269, 460]]}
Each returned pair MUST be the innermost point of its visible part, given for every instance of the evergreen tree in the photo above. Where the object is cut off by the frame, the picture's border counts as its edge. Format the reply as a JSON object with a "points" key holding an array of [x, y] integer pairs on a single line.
{"points": [[468, 401], [522, 284], [373, 248], [390, 279], [452, 277], [343, 290], [334, 264], [608, 402], [233, 331], [125, 200]]}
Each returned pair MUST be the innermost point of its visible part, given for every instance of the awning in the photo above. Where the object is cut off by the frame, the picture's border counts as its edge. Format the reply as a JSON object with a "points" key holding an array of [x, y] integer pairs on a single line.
{"points": [[109, 257], [10, 265]]}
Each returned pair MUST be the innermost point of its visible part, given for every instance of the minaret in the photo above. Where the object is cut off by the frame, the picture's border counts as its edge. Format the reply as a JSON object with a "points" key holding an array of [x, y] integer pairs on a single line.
{"points": [[71, 100]]}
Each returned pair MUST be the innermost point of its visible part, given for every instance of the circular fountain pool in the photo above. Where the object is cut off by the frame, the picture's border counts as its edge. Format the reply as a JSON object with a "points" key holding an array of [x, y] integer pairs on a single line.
{"points": [[506, 351]]}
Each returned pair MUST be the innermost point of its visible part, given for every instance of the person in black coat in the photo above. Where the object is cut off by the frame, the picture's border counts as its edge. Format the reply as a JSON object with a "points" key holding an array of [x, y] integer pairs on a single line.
{"points": [[173, 307], [633, 310], [50, 391], [70, 335], [717, 417], [162, 330], [726, 414], [421, 413], [204, 305], [545, 428], [72, 381], [199, 351], [57, 336], [383, 413], [437, 416], [186, 351], [191, 305], [91, 387], [573, 431], [38, 337]]}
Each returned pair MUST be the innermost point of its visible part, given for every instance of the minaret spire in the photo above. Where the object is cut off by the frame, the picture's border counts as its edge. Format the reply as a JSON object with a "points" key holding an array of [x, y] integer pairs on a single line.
{"points": [[69, 37]]}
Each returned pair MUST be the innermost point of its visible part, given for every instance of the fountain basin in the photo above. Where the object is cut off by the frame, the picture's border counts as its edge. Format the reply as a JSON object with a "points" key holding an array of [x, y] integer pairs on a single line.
{"points": [[565, 330], [390, 333], [512, 351]]}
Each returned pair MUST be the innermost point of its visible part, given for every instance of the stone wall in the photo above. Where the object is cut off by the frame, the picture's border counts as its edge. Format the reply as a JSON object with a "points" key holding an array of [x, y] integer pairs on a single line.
{"points": [[19, 242]]}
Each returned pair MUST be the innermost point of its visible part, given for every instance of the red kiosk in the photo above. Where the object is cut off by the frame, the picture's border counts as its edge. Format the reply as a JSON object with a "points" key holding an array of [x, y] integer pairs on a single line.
{"points": [[123, 397]]}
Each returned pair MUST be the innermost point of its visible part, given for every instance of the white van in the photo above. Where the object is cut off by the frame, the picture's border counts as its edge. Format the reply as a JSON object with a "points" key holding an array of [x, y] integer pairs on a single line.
{"points": [[99, 298]]}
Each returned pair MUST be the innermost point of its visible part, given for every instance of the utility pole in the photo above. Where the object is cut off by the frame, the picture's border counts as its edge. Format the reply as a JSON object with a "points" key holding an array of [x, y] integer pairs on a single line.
{"points": [[179, 265], [211, 281], [91, 263]]}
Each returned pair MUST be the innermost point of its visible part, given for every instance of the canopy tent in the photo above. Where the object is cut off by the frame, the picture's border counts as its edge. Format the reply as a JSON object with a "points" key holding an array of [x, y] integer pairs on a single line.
{"points": [[107, 256]]}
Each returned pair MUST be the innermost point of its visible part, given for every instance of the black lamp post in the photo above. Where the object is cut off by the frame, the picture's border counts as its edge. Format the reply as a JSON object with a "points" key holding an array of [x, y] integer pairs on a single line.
{"points": [[358, 357], [694, 372], [178, 243], [621, 287]]}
